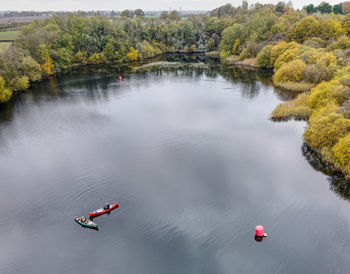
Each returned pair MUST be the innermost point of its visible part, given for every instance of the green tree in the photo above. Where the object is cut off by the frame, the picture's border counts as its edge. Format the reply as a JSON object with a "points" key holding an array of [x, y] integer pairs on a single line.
{"points": [[229, 37], [127, 13], [324, 7], [244, 5], [264, 57], [310, 9], [280, 7], [31, 68], [164, 15], [139, 12], [174, 15], [338, 9], [109, 51]]}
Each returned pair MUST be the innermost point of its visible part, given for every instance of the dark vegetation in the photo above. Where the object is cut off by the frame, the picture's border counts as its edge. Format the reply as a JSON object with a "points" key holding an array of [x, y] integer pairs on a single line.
{"points": [[308, 50]]}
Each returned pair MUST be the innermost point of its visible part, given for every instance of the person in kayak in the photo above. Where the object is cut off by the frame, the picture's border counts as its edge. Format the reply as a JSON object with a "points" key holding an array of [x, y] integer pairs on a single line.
{"points": [[106, 206], [83, 220]]}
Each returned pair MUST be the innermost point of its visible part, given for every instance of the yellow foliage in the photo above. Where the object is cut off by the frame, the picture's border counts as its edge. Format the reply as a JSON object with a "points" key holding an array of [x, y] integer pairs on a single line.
{"points": [[285, 57], [331, 29], [341, 43], [326, 93], [327, 59], [346, 23], [20, 83], [311, 55], [326, 130], [235, 46], [290, 72], [295, 86], [296, 108], [94, 59], [193, 48], [306, 28], [279, 49], [342, 152], [80, 57], [47, 66], [149, 50], [133, 54], [5, 94]]}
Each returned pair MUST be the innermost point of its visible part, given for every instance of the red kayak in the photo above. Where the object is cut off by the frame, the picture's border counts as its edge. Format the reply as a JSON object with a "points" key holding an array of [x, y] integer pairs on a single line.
{"points": [[103, 211]]}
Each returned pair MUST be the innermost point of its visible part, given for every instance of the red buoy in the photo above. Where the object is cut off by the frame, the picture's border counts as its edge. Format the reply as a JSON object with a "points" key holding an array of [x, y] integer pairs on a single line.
{"points": [[120, 78], [259, 231]]}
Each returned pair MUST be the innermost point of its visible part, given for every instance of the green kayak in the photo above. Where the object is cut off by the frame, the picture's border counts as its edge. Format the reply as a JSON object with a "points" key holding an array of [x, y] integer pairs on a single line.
{"points": [[85, 222]]}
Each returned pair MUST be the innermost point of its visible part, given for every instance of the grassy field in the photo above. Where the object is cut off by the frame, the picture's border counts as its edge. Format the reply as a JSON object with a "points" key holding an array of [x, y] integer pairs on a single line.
{"points": [[4, 45], [8, 35]]}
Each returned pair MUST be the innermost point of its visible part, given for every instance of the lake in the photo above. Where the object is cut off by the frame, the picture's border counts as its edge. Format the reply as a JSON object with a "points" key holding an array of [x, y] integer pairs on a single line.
{"points": [[191, 155]]}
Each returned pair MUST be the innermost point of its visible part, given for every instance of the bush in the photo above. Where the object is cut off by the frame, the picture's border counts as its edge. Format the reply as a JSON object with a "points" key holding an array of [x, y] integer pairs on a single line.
{"points": [[295, 86], [315, 73], [109, 51], [31, 69], [296, 108], [327, 59], [328, 92], [279, 49], [285, 57], [5, 94], [263, 57], [341, 43], [342, 152], [148, 50], [94, 59], [346, 22], [315, 42], [80, 57], [330, 29], [245, 54], [224, 54], [310, 56], [290, 72], [344, 109], [20, 83], [306, 28], [133, 54], [326, 130]]}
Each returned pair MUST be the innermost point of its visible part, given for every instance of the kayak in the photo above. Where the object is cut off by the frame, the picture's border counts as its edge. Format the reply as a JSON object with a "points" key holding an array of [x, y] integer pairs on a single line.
{"points": [[103, 211], [88, 223]]}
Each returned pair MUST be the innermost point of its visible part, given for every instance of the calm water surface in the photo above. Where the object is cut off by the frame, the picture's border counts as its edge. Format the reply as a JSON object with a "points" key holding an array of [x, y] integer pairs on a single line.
{"points": [[195, 163]]}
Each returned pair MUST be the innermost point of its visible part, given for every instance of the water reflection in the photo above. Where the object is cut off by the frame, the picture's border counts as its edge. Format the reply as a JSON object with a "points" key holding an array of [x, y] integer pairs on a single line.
{"points": [[258, 238], [337, 181]]}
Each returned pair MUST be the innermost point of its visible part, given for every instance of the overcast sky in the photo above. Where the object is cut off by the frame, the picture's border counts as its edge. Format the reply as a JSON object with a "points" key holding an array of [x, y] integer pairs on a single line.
{"points": [[72, 5]]}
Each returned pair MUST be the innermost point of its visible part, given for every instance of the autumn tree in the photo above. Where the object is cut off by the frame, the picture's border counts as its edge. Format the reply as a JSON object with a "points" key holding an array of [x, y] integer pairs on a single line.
{"points": [[133, 54]]}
